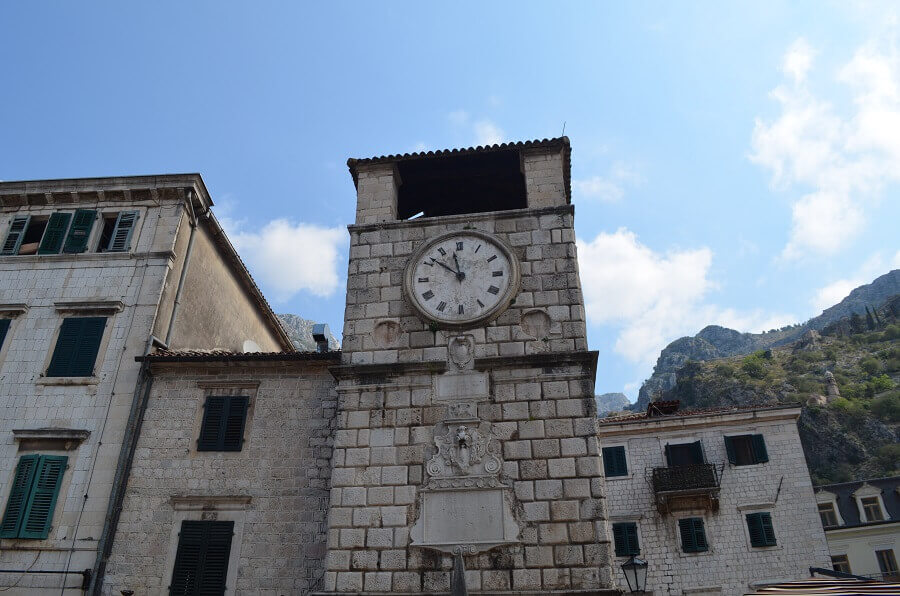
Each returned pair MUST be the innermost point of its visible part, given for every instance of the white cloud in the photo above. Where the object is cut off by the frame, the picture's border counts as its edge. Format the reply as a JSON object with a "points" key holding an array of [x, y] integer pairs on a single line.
{"points": [[609, 188], [654, 298], [832, 293], [842, 161], [287, 258], [483, 130]]}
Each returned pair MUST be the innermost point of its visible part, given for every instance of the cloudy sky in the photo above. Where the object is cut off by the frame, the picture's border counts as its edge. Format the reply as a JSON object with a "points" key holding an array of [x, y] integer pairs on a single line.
{"points": [[733, 163]]}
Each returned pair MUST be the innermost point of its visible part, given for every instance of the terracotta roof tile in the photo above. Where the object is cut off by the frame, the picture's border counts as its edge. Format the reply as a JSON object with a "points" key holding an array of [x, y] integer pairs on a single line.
{"points": [[227, 356], [688, 413]]}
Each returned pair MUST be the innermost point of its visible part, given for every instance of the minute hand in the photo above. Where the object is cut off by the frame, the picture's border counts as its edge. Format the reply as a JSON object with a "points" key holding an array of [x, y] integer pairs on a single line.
{"points": [[433, 260]]}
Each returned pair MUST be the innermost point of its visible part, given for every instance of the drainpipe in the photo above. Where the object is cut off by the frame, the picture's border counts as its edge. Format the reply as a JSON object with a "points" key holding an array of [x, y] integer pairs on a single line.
{"points": [[184, 267]]}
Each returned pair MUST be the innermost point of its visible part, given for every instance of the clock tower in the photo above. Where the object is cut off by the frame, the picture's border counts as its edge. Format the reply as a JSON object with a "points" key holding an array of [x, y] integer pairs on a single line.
{"points": [[466, 428]]}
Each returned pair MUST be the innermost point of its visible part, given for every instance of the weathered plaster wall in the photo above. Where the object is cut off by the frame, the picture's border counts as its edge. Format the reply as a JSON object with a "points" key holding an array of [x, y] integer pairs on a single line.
{"points": [[781, 486], [277, 483]]}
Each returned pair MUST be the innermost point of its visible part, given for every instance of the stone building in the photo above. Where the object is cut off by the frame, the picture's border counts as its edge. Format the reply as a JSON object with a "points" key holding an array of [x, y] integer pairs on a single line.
{"points": [[93, 273], [716, 501], [862, 525]]}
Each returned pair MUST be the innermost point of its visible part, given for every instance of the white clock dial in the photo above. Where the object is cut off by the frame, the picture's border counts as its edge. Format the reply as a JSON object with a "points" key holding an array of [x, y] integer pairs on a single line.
{"points": [[462, 278]]}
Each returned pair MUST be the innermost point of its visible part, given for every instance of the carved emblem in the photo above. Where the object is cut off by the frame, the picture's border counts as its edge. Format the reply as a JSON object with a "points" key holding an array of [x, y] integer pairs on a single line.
{"points": [[461, 350], [464, 451]]}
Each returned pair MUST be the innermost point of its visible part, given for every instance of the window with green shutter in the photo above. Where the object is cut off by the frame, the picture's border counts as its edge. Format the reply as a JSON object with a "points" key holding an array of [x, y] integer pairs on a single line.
{"points": [[693, 535], [224, 418], [79, 231], [626, 539], [201, 561], [32, 498], [76, 347], [746, 450], [614, 463], [762, 533], [4, 329], [54, 234], [684, 454], [120, 239], [15, 235]]}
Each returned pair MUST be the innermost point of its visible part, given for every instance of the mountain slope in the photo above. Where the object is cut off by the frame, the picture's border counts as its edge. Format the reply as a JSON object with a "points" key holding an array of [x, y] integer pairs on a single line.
{"points": [[719, 342], [299, 330]]}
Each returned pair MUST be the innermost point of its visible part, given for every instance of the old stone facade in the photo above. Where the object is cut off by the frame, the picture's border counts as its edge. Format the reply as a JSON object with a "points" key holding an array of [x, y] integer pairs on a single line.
{"points": [[731, 486], [68, 258]]}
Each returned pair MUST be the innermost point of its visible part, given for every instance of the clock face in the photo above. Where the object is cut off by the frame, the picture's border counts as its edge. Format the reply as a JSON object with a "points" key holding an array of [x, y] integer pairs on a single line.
{"points": [[462, 278]]}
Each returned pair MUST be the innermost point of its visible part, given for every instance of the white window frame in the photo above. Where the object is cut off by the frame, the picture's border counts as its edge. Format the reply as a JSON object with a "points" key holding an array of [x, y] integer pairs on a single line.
{"points": [[824, 496], [867, 491]]}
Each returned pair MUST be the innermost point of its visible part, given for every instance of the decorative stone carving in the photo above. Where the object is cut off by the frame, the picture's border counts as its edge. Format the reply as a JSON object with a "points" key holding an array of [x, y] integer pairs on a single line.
{"points": [[536, 323], [386, 333], [461, 351], [464, 451]]}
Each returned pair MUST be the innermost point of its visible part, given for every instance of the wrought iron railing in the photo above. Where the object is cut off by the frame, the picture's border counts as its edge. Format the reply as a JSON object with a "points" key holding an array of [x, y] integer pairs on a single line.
{"points": [[681, 478]]}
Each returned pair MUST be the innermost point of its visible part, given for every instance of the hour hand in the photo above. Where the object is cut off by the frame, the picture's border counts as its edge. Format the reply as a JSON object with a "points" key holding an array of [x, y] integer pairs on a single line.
{"points": [[459, 274]]}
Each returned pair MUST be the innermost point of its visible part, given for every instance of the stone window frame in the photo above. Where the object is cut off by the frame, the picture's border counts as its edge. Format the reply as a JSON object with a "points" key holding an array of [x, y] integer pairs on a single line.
{"points": [[760, 508], [676, 532], [824, 496], [628, 519], [97, 230], [208, 508], [867, 491], [630, 474], [249, 389], [74, 309], [14, 313]]}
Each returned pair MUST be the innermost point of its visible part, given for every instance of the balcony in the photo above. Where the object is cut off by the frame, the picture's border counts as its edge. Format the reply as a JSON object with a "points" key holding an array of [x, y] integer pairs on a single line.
{"points": [[692, 486]]}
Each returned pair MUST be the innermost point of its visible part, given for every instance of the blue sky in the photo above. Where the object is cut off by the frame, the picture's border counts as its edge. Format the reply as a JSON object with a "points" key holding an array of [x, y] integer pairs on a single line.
{"points": [[733, 163]]}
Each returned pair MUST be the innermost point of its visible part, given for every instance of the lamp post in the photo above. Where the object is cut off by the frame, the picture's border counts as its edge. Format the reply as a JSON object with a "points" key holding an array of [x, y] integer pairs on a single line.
{"points": [[635, 571]]}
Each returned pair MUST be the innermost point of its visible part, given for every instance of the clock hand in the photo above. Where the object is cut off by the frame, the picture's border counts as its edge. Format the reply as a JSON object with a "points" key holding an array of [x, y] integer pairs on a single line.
{"points": [[433, 260], [459, 274]]}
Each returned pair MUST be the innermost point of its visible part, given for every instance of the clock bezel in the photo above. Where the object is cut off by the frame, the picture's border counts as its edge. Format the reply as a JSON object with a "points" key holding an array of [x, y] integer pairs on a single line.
{"points": [[511, 290]]}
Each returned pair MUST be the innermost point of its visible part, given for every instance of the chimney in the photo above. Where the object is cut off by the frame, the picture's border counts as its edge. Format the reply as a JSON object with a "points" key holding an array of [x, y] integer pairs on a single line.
{"points": [[321, 333]]}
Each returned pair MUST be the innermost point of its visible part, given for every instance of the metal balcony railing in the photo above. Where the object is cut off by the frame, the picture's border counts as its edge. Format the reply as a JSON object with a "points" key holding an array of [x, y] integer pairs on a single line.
{"points": [[694, 476]]}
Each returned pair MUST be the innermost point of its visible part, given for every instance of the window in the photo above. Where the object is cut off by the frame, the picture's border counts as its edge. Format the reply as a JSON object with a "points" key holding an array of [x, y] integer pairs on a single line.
{"points": [[684, 454], [872, 509], [762, 533], [4, 329], [840, 563], [35, 486], [62, 232], [77, 347], [693, 536], [746, 450], [614, 461], [118, 229], [887, 563], [223, 423], [201, 561], [828, 515], [626, 539], [79, 231]]}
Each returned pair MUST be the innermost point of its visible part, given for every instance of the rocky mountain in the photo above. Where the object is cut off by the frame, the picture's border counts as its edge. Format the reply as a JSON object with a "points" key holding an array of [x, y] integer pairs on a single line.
{"points": [[611, 402], [847, 377], [719, 342], [300, 332]]}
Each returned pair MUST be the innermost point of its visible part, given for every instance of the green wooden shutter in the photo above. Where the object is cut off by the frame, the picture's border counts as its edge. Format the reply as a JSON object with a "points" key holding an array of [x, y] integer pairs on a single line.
{"points": [[18, 496], [760, 454], [697, 452], [14, 236], [4, 329], [54, 233], [120, 241], [233, 431], [76, 347], [632, 539], [614, 463], [39, 512], [693, 535], [729, 450], [620, 540], [214, 414], [82, 222], [201, 561], [668, 455], [761, 530]]}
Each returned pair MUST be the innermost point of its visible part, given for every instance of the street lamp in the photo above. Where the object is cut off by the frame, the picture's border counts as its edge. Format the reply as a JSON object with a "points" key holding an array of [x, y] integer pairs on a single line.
{"points": [[635, 571]]}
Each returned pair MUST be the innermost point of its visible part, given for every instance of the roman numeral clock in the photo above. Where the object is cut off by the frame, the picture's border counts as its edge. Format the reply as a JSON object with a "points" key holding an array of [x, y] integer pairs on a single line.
{"points": [[462, 279]]}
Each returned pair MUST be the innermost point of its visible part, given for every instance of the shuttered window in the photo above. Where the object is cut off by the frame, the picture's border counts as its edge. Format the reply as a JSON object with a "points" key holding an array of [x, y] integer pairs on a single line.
{"points": [[4, 329], [614, 463], [684, 454], [201, 561], [223, 423], [54, 234], [76, 347], [693, 535], [626, 539], [120, 241], [760, 528], [746, 450], [77, 238], [15, 235], [32, 498]]}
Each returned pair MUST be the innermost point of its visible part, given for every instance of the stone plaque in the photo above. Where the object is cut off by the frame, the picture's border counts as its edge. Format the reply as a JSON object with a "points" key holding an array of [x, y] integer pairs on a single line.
{"points": [[461, 385], [468, 520]]}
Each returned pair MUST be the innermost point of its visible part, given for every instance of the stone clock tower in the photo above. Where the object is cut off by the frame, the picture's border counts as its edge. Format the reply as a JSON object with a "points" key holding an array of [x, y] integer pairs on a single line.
{"points": [[466, 422]]}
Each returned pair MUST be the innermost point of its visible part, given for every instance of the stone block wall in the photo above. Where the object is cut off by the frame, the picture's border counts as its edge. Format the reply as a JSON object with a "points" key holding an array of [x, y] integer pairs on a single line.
{"points": [[541, 410], [376, 189], [781, 486], [275, 488], [545, 172], [380, 327]]}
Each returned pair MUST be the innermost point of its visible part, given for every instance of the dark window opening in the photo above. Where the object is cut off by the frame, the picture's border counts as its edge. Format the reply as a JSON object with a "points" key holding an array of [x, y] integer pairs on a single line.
{"points": [[684, 454], [33, 234], [109, 224], [828, 515], [626, 539], [224, 418], [746, 450], [840, 563], [77, 346], [460, 184], [201, 561], [614, 463]]}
